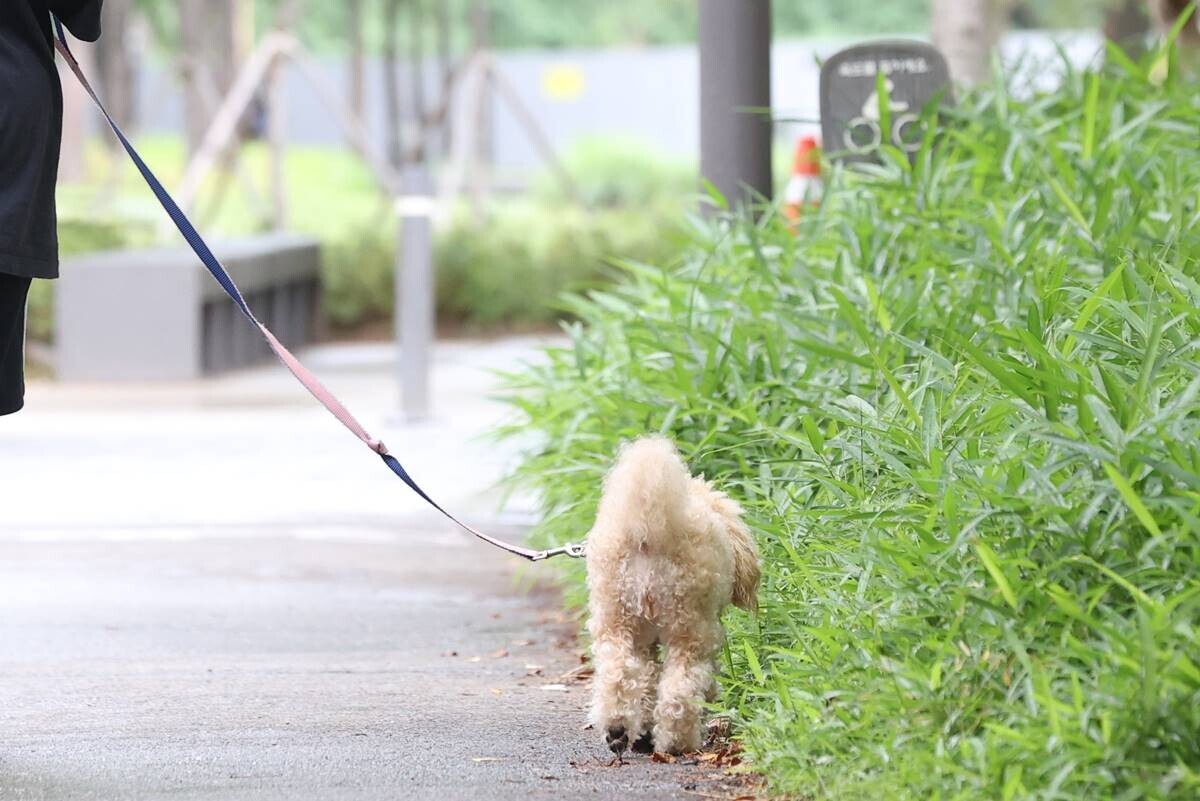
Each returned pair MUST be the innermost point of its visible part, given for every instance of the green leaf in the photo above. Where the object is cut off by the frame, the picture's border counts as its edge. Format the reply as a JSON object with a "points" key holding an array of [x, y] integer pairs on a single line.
{"points": [[814, 435], [1089, 116], [988, 557], [1071, 206], [1090, 306], [1131, 499], [752, 661]]}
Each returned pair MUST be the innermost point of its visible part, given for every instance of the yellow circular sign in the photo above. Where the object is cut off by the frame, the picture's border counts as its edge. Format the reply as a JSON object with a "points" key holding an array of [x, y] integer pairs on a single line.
{"points": [[563, 82]]}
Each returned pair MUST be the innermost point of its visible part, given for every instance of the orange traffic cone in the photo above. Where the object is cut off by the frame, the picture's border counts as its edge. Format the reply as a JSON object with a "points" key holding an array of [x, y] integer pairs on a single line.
{"points": [[804, 187]]}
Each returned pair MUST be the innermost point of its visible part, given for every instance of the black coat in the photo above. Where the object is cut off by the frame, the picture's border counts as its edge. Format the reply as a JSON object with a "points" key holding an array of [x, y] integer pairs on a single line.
{"points": [[31, 128]]}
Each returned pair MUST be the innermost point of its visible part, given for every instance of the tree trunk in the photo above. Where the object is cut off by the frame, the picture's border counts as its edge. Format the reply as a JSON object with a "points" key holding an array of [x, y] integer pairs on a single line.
{"points": [[444, 67], [116, 64], [358, 103], [193, 71], [77, 116], [222, 45], [244, 32], [481, 114], [967, 31], [277, 136], [1167, 13], [209, 43], [286, 13], [1127, 26], [391, 82], [416, 58], [244, 36]]}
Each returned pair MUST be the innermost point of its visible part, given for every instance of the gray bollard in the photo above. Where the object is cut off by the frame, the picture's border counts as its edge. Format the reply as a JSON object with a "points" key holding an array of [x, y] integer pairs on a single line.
{"points": [[414, 306]]}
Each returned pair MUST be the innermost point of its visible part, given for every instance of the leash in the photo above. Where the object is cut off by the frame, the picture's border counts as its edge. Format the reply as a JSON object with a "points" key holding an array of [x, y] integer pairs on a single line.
{"points": [[302, 373]]}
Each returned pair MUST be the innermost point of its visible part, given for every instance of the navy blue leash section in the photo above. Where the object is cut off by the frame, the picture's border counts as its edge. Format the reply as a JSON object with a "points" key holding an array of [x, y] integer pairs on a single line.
{"points": [[314, 386], [176, 214]]}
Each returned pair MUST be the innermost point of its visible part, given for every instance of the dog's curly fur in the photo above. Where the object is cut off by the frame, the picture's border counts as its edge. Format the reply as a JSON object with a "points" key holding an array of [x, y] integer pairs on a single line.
{"points": [[667, 553]]}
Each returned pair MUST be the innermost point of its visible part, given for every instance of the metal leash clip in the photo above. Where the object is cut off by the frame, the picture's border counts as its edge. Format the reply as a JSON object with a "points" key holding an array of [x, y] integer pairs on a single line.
{"points": [[571, 549]]}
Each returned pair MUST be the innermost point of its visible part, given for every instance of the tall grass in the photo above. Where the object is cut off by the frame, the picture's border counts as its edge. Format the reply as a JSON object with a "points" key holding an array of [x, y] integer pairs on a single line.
{"points": [[962, 407]]}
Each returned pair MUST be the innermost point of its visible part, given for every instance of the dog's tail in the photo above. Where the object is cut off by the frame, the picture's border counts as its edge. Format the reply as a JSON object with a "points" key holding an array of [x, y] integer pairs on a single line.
{"points": [[646, 499], [647, 491], [746, 569]]}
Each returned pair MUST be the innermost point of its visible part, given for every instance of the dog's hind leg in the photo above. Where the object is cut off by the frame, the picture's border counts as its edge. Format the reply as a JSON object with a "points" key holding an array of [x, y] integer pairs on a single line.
{"points": [[626, 672], [687, 676], [644, 743]]}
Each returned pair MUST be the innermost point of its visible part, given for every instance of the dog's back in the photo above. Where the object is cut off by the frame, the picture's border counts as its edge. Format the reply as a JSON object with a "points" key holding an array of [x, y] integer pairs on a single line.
{"points": [[645, 497], [664, 541]]}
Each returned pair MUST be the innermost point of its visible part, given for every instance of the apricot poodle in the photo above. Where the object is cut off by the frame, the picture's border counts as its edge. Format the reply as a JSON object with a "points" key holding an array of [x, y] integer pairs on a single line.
{"points": [[667, 554]]}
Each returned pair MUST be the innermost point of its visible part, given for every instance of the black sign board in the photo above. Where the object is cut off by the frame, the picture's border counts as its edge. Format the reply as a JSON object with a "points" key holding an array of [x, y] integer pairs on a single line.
{"points": [[912, 73]]}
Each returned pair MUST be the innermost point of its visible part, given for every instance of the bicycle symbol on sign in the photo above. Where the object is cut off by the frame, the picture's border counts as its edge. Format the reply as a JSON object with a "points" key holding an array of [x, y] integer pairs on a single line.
{"points": [[865, 132]]}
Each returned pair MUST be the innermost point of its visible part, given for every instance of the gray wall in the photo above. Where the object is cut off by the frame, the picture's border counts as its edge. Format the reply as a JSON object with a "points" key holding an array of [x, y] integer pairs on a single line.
{"points": [[648, 93]]}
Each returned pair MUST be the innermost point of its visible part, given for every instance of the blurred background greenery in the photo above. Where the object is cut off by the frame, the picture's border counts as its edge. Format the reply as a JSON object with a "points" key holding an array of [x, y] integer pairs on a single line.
{"points": [[575, 23], [628, 199]]}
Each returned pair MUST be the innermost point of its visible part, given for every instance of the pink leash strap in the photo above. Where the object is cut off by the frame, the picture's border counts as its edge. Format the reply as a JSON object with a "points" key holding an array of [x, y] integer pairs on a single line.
{"points": [[320, 392]]}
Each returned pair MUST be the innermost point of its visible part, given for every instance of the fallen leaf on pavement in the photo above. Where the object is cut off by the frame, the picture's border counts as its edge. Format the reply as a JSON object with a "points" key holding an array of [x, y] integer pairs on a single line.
{"points": [[728, 756], [581, 673]]}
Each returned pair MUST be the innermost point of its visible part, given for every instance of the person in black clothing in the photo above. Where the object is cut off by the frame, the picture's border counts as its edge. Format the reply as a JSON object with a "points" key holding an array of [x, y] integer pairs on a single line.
{"points": [[31, 108]]}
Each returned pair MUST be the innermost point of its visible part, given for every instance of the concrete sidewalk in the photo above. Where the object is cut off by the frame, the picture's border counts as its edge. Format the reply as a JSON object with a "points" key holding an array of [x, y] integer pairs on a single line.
{"points": [[291, 669], [212, 591], [252, 449]]}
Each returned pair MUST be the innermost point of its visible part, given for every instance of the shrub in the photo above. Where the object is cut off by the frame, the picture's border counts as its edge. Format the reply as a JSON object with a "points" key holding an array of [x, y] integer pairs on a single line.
{"points": [[357, 274], [507, 271], [962, 407], [620, 172], [512, 269]]}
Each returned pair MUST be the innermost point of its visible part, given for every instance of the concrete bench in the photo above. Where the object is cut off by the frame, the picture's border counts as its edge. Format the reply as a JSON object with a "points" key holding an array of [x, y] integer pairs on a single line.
{"points": [[158, 314]]}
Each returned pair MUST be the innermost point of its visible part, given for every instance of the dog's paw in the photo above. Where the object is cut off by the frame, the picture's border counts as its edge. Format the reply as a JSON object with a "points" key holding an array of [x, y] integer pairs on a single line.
{"points": [[644, 744], [617, 739], [667, 741]]}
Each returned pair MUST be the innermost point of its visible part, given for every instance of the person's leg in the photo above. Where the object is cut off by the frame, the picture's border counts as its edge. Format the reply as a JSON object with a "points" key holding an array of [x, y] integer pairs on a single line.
{"points": [[14, 292]]}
